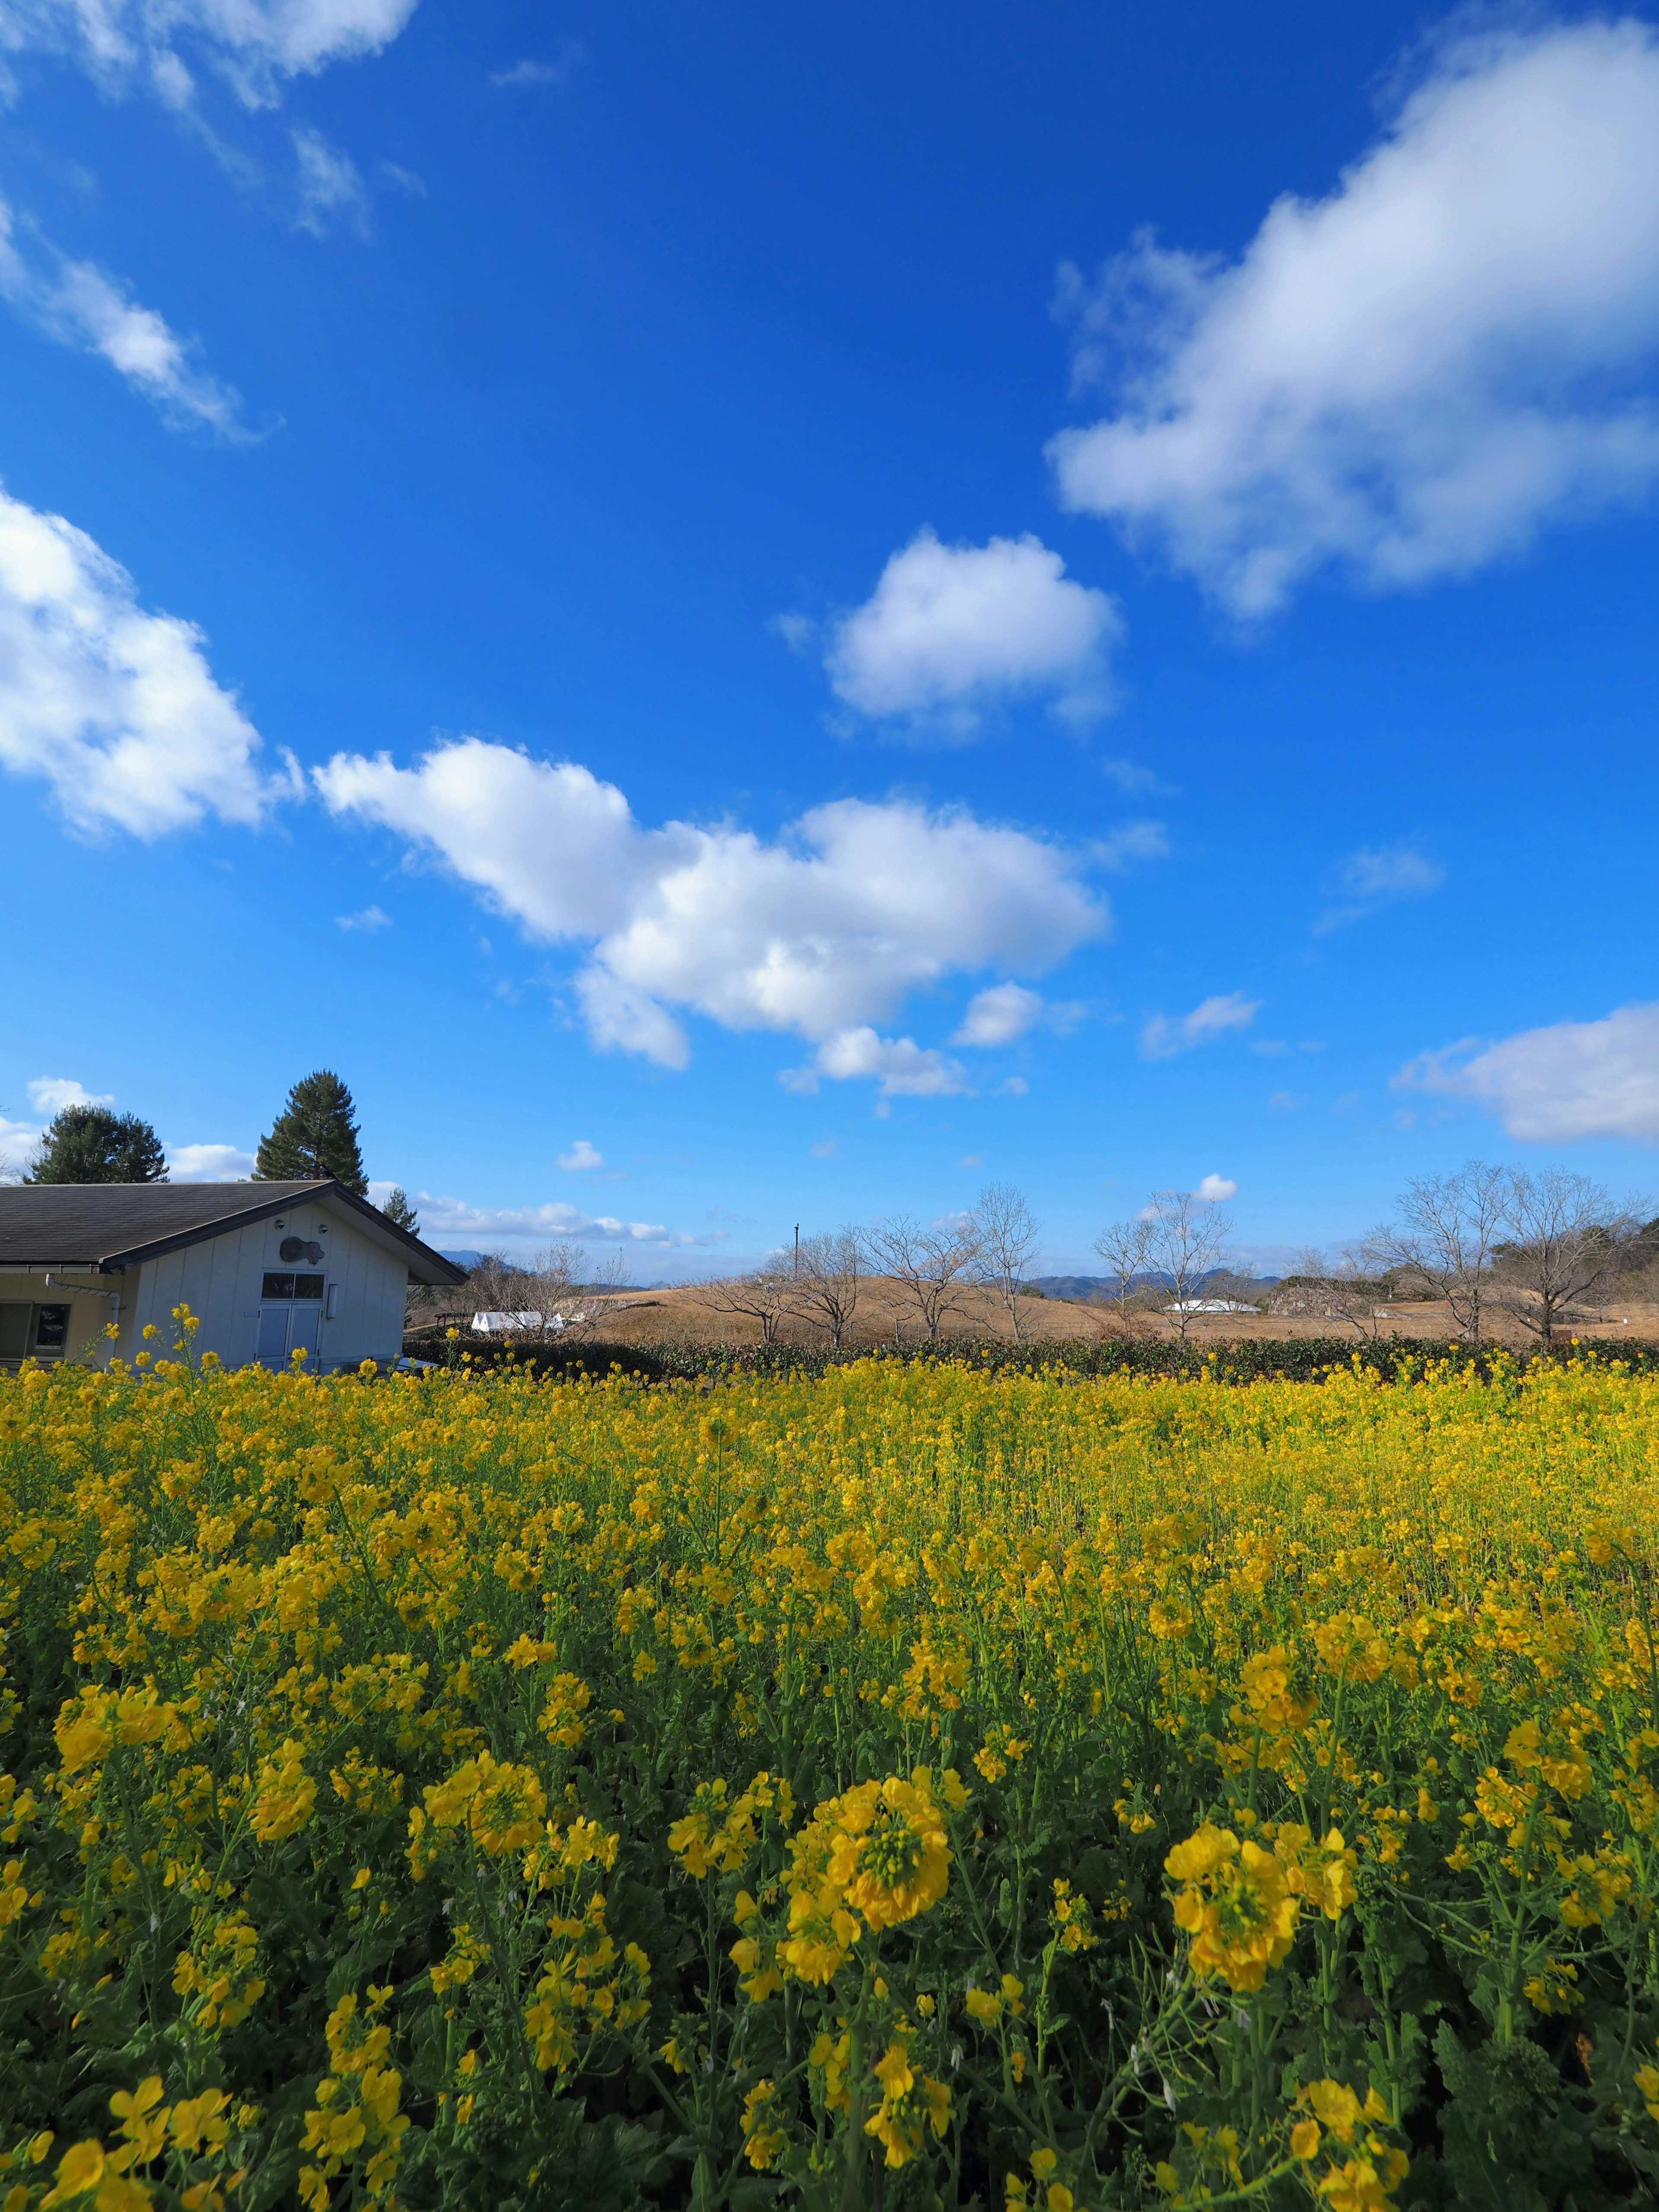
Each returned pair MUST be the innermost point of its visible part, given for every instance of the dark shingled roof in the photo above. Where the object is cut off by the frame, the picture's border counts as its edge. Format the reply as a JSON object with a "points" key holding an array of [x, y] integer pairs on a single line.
{"points": [[116, 1225]]}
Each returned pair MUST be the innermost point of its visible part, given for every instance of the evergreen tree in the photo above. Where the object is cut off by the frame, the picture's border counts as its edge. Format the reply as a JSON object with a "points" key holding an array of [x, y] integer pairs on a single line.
{"points": [[313, 1136], [398, 1210], [89, 1144]]}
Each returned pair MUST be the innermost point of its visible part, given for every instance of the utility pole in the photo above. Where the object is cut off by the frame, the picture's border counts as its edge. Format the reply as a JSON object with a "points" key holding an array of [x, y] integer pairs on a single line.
{"points": [[798, 1248]]}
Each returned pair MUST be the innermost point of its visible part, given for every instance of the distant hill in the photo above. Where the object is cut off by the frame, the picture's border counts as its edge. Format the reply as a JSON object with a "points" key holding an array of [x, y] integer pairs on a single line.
{"points": [[1083, 1288]]}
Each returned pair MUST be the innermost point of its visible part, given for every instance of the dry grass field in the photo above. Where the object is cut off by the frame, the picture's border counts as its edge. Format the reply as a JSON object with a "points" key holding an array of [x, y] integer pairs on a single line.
{"points": [[685, 1312]]}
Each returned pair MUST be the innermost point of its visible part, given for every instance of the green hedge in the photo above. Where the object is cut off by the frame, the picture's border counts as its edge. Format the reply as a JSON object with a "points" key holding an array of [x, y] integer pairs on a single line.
{"points": [[1249, 1359]]}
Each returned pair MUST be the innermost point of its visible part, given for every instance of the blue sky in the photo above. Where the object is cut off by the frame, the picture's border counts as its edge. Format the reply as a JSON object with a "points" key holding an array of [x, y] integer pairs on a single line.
{"points": [[799, 609]]}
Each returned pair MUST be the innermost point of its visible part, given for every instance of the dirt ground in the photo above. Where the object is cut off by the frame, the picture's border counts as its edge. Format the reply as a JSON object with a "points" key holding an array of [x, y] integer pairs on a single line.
{"points": [[884, 1312]]}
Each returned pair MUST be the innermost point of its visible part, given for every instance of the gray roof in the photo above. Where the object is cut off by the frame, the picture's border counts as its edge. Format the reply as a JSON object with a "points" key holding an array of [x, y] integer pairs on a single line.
{"points": [[117, 1225]]}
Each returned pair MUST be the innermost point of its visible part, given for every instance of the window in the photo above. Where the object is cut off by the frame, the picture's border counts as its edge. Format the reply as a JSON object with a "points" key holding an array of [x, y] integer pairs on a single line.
{"points": [[278, 1286], [15, 1322], [307, 1286], [292, 1286], [52, 1328]]}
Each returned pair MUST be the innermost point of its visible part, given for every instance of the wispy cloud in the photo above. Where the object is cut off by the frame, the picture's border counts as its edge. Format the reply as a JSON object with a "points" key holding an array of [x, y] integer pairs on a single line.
{"points": [[371, 917], [1164, 1038], [581, 1155], [454, 1218], [530, 73], [81, 305], [1376, 877], [329, 193]]}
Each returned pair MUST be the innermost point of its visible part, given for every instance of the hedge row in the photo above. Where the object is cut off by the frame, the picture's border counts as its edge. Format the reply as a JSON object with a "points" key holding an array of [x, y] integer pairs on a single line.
{"points": [[1249, 1359]]}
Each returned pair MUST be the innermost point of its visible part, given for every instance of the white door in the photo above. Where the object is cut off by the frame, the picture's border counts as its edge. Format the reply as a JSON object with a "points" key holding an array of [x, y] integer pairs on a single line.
{"points": [[303, 1329], [271, 1347]]}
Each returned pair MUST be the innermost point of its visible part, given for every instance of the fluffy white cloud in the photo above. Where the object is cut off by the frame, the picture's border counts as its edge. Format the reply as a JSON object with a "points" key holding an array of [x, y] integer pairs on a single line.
{"points": [[209, 1164], [1376, 876], [950, 628], [1412, 375], [252, 43], [50, 1094], [115, 708], [903, 1069], [581, 1155], [80, 305], [1555, 1085], [999, 1015], [1161, 1038], [820, 932], [1216, 1189]]}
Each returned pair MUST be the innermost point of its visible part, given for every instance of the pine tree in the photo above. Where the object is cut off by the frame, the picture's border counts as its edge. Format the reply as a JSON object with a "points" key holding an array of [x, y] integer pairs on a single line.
{"points": [[398, 1210], [313, 1136], [89, 1144]]}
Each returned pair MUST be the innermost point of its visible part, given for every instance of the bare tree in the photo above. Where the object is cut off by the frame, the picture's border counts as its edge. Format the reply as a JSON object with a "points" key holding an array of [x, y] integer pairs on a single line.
{"points": [[828, 1272], [1562, 1236], [1123, 1247], [1006, 1231], [766, 1294], [559, 1292], [934, 1264], [1448, 1228], [1344, 1291], [1185, 1243]]}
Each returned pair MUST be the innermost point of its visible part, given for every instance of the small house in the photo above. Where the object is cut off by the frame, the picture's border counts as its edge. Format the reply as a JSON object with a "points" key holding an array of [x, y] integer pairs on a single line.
{"points": [[270, 1269]]}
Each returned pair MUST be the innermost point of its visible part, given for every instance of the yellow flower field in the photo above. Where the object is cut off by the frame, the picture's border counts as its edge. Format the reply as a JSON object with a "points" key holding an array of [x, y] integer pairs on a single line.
{"points": [[910, 1788]]}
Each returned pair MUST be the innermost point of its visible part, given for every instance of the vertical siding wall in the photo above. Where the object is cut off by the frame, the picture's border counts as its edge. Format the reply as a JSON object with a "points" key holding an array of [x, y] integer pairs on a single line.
{"points": [[220, 1279]]}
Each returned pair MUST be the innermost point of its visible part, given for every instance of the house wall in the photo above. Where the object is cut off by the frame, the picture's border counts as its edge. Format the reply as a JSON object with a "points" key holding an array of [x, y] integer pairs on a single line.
{"points": [[89, 1315], [219, 1279]]}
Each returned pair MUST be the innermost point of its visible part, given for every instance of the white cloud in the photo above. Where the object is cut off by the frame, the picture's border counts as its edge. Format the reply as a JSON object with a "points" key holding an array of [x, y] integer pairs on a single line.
{"points": [[1133, 842], [1216, 1191], [79, 304], [1557, 1085], [1161, 1038], [820, 933], [1129, 775], [328, 188], [999, 1015], [904, 1068], [1412, 375], [527, 74], [209, 1164], [115, 708], [452, 1218], [252, 43], [951, 629], [50, 1094], [1376, 876], [581, 1155], [371, 917]]}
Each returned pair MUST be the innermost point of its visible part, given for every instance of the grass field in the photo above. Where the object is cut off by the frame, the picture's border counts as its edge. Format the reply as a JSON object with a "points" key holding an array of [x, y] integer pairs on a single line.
{"points": [[907, 1788]]}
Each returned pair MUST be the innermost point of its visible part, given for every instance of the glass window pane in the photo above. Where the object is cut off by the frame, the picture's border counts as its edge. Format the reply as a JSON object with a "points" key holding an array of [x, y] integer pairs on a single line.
{"points": [[307, 1286], [278, 1286], [51, 1327]]}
